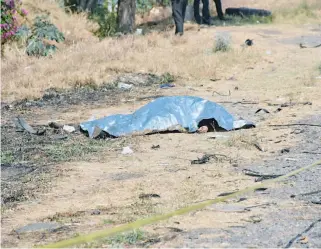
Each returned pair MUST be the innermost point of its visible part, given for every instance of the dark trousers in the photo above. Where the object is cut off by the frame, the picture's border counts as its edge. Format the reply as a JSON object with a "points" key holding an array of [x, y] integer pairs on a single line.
{"points": [[205, 12], [219, 10], [179, 9]]}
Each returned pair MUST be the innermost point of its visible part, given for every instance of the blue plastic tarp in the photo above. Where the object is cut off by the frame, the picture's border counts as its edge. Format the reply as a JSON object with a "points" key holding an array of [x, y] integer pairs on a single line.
{"points": [[165, 114]]}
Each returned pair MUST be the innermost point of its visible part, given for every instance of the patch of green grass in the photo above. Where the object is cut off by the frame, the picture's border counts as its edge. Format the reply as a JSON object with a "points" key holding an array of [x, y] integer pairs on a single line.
{"points": [[167, 78], [108, 221], [246, 20], [79, 150], [120, 240], [7, 157]]}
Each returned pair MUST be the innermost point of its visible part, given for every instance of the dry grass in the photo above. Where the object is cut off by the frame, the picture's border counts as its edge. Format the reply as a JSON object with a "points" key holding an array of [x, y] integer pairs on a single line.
{"points": [[83, 56]]}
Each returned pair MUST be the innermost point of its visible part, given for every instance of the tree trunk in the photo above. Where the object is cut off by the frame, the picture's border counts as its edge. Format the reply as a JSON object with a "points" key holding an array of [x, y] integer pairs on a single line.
{"points": [[126, 16]]}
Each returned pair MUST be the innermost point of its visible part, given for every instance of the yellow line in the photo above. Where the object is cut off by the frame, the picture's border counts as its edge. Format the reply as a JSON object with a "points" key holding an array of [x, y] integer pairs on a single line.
{"points": [[139, 223]]}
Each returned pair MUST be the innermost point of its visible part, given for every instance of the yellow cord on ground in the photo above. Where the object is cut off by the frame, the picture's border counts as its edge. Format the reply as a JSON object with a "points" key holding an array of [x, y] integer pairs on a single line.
{"points": [[139, 223]]}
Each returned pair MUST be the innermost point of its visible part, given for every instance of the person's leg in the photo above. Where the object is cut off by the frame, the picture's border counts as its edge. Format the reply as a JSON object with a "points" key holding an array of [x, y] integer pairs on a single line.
{"points": [[197, 15], [178, 15], [219, 10], [206, 12], [184, 6]]}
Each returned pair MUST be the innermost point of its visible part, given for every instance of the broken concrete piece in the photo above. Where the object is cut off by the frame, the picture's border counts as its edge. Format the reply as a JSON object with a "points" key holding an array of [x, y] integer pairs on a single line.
{"points": [[69, 128]]}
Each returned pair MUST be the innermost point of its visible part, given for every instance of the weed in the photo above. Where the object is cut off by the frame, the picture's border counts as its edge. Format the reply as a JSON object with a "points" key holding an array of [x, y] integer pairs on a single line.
{"points": [[108, 221], [88, 82], [7, 157], [222, 42], [167, 78], [69, 151]]}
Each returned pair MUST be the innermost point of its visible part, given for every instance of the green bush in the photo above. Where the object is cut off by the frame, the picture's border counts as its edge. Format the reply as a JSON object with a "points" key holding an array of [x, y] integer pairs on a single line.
{"points": [[43, 29], [107, 21]]}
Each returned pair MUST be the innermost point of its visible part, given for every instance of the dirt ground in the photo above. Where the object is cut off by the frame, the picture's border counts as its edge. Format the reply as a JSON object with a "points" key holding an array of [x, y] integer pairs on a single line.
{"points": [[69, 184]]}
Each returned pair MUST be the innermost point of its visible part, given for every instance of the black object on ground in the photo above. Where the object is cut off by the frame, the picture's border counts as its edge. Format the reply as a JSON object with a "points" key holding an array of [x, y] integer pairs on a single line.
{"points": [[147, 196], [249, 42], [247, 12], [257, 174], [262, 109], [286, 150], [23, 125], [202, 160], [154, 147]]}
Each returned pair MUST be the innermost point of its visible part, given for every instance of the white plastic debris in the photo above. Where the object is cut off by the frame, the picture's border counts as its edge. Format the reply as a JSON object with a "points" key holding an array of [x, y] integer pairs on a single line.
{"points": [[124, 86], [127, 150], [68, 128], [139, 31], [268, 52]]}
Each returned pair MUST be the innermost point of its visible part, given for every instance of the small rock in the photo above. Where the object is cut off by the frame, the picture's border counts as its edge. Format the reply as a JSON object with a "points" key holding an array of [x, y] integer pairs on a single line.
{"points": [[68, 128], [95, 212], [286, 150], [125, 86], [127, 150]]}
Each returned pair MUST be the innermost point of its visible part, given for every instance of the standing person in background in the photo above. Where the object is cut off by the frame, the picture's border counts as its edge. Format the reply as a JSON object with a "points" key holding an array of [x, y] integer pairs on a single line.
{"points": [[219, 10], [179, 9], [206, 17]]}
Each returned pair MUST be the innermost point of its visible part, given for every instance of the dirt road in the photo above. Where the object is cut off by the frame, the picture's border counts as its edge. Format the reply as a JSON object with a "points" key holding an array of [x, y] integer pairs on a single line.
{"points": [[73, 185]]}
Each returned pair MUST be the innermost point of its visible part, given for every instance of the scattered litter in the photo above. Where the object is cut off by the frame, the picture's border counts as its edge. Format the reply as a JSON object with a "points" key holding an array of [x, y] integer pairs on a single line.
{"points": [[229, 93], [218, 136], [124, 86], [69, 128], [260, 189], [95, 212], [242, 199], [286, 150], [262, 109], [256, 145], [59, 137], [173, 113], [249, 42], [155, 147], [206, 158], [253, 219], [41, 226], [287, 104], [316, 202], [139, 31], [55, 125], [202, 160], [214, 79], [268, 52], [175, 229], [304, 240], [127, 150], [21, 124], [167, 85], [307, 46], [249, 172], [148, 196]]}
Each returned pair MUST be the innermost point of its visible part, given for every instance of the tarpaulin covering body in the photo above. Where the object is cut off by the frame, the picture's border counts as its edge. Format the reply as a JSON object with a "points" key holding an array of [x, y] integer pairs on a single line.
{"points": [[162, 114]]}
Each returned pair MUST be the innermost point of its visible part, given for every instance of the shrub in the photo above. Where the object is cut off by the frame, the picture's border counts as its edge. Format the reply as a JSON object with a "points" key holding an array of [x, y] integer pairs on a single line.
{"points": [[222, 42], [10, 11], [43, 29], [106, 20]]}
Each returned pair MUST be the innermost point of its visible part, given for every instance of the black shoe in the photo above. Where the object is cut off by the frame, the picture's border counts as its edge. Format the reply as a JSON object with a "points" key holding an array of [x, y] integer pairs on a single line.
{"points": [[179, 33]]}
